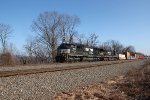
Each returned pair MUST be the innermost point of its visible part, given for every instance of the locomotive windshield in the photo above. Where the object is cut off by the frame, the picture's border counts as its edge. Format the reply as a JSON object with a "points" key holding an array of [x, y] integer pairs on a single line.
{"points": [[65, 46]]}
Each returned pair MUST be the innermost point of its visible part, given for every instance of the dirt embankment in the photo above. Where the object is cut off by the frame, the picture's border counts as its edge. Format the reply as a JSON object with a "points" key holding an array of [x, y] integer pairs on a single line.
{"points": [[135, 85]]}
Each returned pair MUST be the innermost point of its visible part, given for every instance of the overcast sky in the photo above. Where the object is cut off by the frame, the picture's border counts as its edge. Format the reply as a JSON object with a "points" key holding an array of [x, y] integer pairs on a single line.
{"points": [[127, 21]]}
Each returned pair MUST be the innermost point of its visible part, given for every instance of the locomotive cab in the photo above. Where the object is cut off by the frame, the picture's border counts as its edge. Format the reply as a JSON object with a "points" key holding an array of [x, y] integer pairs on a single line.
{"points": [[64, 50]]}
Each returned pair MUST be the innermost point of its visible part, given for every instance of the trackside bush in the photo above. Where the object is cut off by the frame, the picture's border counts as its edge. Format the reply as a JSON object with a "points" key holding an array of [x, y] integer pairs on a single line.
{"points": [[6, 59]]}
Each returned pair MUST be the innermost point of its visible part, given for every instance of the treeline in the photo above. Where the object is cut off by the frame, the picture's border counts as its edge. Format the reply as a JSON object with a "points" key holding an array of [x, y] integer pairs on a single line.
{"points": [[51, 29]]}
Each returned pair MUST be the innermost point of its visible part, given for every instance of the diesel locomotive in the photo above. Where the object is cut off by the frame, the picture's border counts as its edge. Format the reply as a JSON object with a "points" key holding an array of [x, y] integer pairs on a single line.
{"points": [[67, 52]]}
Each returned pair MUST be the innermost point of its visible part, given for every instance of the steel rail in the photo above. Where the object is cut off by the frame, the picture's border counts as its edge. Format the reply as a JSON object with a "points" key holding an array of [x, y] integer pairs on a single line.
{"points": [[53, 69]]}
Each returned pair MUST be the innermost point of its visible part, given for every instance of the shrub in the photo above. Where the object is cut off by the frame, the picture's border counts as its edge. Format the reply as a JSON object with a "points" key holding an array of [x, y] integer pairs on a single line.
{"points": [[6, 59]]}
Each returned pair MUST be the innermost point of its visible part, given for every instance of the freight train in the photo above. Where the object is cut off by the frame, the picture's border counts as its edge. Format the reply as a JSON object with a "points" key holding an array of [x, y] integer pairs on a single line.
{"points": [[67, 52]]}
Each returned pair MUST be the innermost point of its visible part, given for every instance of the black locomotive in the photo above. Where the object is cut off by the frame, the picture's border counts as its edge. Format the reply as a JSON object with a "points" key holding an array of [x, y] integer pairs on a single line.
{"points": [[78, 52]]}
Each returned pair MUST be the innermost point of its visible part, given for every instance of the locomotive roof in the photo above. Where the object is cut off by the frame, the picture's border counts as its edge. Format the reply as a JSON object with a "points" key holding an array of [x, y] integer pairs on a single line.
{"points": [[82, 45], [76, 44]]}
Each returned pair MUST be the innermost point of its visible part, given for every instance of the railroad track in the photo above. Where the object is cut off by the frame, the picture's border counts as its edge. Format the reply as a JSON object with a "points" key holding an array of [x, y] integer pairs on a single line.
{"points": [[55, 69]]}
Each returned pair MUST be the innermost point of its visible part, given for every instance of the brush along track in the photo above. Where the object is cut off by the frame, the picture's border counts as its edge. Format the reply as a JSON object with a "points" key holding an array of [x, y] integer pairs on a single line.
{"points": [[54, 69]]}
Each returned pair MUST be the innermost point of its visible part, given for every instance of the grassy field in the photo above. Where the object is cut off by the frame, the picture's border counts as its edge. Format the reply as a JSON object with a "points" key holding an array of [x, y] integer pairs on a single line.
{"points": [[135, 85]]}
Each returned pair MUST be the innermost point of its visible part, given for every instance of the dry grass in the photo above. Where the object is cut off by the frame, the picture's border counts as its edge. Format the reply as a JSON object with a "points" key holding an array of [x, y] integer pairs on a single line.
{"points": [[94, 92], [135, 85], [7, 59]]}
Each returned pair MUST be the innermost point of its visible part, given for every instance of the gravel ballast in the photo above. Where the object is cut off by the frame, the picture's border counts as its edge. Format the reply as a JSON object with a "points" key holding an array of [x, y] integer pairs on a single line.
{"points": [[43, 86]]}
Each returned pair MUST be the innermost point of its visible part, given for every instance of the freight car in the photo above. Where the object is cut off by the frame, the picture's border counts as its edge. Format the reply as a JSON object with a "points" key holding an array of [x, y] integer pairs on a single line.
{"points": [[67, 52]]}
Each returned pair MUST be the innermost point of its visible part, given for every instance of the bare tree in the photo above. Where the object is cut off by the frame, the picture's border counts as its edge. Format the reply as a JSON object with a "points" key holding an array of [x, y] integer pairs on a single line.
{"points": [[106, 46], [5, 31], [37, 51], [81, 39], [129, 48], [68, 25], [47, 26], [112, 45], [52, 26], [29, 46], [116, 46], [93, 39]]}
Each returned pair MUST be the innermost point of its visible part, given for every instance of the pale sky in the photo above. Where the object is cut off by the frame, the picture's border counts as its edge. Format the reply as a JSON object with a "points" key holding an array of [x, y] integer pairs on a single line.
{"points": [[127, 21]]}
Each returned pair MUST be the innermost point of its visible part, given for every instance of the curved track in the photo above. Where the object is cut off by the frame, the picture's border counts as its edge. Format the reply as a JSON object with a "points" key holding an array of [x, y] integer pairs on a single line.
{"points": [[54, 69]]}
